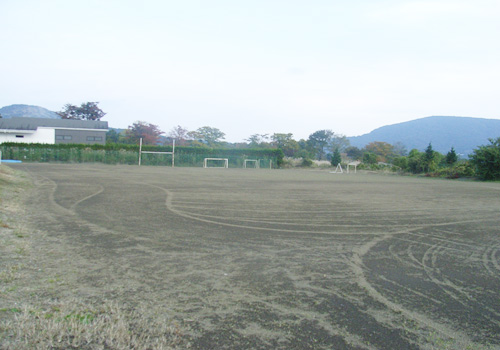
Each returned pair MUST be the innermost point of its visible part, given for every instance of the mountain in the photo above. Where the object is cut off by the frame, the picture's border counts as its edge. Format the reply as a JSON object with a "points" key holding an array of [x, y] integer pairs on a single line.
{"points": [[27, 111], [462, 133]]}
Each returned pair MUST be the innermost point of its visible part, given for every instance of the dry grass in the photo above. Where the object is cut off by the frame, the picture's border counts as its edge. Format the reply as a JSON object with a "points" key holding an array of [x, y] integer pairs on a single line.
{"points": [[30, 321], [73, 325]]}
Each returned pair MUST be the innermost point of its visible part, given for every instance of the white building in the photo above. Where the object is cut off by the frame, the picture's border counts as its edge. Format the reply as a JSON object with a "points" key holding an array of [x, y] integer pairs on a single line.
{"points": [[44, 130]]}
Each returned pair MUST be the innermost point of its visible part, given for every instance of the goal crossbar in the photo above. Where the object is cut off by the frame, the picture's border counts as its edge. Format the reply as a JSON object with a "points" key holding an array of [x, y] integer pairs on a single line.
{"points": [[155, 152], [226, 162], [255, 161]]}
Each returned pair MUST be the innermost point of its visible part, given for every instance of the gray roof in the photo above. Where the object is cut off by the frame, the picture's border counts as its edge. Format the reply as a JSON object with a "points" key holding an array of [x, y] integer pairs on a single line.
{"points": [[34, 123]]}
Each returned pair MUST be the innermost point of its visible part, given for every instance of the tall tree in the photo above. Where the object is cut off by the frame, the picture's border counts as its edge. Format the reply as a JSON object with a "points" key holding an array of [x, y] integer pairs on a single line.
{"points": [[207, 135], [486, 159], [258, 140], [319, 140], [354, 153], [180, 134], [339, 141], [149, 133], [86, 111], [451, 157], [112, 136], [383, 150], [336, 157], [286, 143], [430, 159]]}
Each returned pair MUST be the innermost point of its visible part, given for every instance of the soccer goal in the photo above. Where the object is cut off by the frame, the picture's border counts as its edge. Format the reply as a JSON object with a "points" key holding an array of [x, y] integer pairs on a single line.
{"points": [[141, 152], [216, 163], [254, 163]]}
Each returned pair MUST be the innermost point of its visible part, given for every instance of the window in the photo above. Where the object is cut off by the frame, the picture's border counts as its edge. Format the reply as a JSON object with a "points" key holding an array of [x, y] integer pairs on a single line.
{"points": [[19, 136], [64, 137], [94, 138]]}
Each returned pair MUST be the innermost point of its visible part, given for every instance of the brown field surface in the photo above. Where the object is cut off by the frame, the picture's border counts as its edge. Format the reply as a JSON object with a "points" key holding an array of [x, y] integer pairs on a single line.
{"points": [[157, 258]]}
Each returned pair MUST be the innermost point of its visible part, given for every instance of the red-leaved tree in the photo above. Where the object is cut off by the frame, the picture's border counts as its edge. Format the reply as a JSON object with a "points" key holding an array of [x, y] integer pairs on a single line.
{"points": [[149, 133]]}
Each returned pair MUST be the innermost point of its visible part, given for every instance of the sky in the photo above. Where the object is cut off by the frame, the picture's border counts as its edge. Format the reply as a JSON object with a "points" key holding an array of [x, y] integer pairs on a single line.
{"points": [[254, 67]]}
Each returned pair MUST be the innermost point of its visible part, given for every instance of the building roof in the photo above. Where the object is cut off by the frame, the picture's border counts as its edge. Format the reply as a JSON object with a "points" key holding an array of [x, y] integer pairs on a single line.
{"points": [[34, 123]]}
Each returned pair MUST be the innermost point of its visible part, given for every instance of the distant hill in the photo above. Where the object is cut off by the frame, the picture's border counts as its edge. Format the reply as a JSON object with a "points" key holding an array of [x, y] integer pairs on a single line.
{"points": [[463, 133], [13, 111]]}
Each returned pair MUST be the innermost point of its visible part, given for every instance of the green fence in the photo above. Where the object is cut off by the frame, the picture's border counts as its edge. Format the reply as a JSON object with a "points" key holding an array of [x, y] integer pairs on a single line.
{"points": [[114, 154]]}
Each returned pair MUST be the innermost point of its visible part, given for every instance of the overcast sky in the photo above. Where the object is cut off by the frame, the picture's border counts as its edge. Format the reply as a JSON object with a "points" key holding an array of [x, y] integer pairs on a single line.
{"points": [[254, 67]]}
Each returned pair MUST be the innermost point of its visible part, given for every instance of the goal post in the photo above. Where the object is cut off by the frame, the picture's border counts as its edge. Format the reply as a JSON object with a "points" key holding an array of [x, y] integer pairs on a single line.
{"points": [[338, 170], [141, 152], [255, 162], [216, 163]]}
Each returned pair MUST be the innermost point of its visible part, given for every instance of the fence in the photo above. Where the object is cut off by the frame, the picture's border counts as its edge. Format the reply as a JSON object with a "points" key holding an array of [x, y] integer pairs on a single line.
{"points": [[184, 157]]}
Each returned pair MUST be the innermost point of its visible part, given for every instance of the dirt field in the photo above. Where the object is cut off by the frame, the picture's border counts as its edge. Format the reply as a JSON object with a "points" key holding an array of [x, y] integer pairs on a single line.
{"points": [[264, 259]]}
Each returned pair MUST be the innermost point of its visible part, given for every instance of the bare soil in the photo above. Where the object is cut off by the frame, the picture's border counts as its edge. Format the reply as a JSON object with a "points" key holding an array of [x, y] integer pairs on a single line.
{"points": [[261, 259]]}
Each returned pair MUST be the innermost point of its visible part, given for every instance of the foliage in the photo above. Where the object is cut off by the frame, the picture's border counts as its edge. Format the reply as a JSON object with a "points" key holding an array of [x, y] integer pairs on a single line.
{"points": [[486, 160], [207, 135], [86, 111], [286, 143], [306, 162], [112, 153], [458, 170], [149, 133], [340, 142], [383, 150], [180, 135], [258, 141], [354, 153], [336, 157], [451, 157], [399, 149], [369, 158], [319, 140], [112, 136]]}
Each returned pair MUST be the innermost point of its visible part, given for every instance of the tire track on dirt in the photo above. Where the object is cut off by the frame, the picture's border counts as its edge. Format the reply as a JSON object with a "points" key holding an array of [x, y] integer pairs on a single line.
{"points": [[171, 208], [423, 321]]}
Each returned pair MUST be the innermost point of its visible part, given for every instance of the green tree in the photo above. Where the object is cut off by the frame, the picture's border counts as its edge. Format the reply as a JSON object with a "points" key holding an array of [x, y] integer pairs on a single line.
{"points": [[258, 140], [319, 140], [416, 162], [430, 159], [336, 157], [112, 136], [383, 150], [486, 160], [339, 141], [369, 158], [149, 133], [286, 143], [451, 157], [354, 153], [86, 111], [207, 135]]}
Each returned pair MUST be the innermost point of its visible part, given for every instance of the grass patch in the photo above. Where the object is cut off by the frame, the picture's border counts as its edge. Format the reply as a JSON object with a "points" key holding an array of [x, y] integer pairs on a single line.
{"points": [[75, 325]]}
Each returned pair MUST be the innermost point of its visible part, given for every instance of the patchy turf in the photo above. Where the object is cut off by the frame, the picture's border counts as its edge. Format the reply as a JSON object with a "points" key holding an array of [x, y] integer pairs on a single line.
{"points": [[122, 256]]}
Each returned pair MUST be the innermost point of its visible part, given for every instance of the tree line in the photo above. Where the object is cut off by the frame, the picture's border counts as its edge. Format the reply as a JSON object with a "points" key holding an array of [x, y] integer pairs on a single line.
{"points": [[324, 144]]}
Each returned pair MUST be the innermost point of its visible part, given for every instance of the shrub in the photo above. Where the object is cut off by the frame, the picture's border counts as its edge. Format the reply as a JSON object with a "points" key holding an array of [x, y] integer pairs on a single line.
{"points": [[306, 162], [486, 160]]}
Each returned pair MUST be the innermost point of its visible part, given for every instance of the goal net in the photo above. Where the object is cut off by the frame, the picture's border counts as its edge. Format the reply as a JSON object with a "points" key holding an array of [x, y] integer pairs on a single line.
{"points": [[216, 163], [251, 163]]}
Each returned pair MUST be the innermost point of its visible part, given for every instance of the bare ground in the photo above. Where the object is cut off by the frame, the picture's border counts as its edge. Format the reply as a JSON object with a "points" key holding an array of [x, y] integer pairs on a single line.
{"points": [[156, 257]]}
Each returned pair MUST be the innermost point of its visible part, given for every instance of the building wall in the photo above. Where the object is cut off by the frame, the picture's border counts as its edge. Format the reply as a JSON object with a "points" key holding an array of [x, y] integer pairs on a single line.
{"points": [[80, 136], [42, 135]]}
